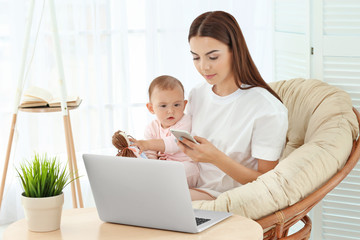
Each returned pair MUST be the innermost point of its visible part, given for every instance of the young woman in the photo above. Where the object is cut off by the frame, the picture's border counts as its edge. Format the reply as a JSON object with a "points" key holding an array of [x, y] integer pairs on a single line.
{"points": [[239, 121]]}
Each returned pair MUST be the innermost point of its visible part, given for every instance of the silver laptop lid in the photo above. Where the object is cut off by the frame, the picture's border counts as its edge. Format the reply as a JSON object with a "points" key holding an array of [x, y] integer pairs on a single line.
{"points": [[141, 192]]}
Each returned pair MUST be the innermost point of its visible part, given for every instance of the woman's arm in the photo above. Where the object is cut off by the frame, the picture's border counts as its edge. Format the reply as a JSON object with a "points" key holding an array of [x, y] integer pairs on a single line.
{"points": [[207, 152]]}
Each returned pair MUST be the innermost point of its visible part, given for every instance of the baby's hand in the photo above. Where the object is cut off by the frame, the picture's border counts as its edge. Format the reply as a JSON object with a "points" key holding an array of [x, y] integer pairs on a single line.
{"points": [[162, 156], [141, 144]]}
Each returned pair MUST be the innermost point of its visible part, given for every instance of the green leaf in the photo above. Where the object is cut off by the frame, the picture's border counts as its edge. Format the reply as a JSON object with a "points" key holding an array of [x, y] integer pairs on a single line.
{"points": [[43, 176]]}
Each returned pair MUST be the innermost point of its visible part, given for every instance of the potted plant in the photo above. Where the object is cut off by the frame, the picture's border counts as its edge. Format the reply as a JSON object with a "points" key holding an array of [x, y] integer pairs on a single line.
{"points": [[43, 180]]}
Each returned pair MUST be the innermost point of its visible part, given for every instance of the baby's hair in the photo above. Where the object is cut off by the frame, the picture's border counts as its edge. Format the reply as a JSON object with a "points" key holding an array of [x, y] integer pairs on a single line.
{"points": [[119, 140], [164, 82]]}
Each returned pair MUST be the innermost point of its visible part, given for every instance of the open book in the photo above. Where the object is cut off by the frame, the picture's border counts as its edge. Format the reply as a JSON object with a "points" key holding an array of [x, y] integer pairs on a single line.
{"points": [[39, 97]]}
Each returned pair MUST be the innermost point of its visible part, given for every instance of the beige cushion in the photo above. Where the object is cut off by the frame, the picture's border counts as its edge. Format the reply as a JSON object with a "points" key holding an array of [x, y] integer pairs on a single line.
{"points": [[322, 127]]}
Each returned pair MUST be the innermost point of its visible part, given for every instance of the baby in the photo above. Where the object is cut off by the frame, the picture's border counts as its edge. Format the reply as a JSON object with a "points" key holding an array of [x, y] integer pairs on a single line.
{"points": [[166, 101]]}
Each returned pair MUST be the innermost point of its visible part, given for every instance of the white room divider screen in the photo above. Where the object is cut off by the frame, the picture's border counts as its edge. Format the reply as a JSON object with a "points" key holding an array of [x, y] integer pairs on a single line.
{"points": [[320, 39]]}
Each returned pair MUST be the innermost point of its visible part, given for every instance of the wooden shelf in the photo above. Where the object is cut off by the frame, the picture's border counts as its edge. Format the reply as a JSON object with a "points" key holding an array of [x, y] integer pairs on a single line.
{"points": [[44, 109], [66, 116]]}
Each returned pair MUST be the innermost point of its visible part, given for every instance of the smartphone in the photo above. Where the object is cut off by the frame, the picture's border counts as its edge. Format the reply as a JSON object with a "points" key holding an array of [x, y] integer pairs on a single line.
{"points": [[182, 133]]}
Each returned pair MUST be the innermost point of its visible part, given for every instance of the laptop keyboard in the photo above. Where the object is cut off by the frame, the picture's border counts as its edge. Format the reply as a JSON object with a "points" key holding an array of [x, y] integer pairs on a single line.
{"points": [[201, 220]]}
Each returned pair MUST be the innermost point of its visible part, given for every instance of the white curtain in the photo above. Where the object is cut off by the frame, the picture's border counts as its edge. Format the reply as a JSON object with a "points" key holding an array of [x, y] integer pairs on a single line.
{"points": [[111, 50]]}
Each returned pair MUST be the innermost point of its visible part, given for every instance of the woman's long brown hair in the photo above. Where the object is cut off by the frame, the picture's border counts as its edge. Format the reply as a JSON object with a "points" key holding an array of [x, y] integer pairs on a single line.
{"points": [[223, 27]]}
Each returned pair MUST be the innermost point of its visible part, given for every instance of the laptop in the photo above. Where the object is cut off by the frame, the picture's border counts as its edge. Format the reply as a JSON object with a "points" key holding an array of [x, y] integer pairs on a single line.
{"points": [[146, 193]]}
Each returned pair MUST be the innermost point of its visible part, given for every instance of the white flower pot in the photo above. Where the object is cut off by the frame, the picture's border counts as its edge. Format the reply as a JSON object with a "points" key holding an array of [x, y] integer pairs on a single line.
{"points": [[43, 214]]}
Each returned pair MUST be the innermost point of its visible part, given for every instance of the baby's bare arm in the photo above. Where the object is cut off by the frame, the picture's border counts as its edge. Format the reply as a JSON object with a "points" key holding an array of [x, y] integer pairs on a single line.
{"points": [[157, 145]]}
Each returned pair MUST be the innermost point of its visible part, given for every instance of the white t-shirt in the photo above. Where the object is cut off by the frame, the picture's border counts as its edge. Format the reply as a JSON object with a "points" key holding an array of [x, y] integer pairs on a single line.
{"points": [[245, 125]]}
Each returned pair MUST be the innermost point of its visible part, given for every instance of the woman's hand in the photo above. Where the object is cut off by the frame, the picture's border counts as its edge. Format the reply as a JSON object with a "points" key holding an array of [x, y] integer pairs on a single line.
{"points": [[203, 151], [207, 152]]}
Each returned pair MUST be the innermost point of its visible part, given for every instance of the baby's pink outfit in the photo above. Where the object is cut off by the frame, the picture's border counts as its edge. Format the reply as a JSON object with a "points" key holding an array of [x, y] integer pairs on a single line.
{"points": [[172, 151]]}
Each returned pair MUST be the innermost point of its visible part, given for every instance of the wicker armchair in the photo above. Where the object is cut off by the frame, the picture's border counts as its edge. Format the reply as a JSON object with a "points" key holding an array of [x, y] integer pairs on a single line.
{"points": [[276, 226], [320, 139]]}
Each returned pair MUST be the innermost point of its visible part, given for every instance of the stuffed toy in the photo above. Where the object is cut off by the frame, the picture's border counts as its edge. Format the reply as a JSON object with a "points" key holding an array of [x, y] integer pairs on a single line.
{"points": [[121, 141]]}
